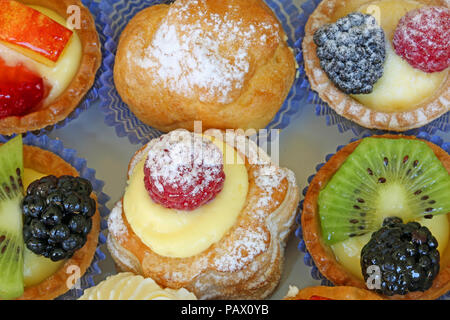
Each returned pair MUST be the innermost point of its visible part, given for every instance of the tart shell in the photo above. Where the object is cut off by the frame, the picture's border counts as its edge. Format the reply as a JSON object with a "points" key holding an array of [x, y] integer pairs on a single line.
{"points": [[48, 163], [424, 112], [235, 267], [335, 293], [83, 80], [324, 257]]}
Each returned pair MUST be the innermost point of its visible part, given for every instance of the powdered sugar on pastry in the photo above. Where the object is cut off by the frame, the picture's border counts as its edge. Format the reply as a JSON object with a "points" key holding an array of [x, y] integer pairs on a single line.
{"points": [[197, 51]]}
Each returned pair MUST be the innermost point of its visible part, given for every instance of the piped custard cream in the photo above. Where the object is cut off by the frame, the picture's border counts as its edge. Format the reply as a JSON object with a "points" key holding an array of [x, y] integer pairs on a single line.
{"points": [[58, 76], [181, 234]]}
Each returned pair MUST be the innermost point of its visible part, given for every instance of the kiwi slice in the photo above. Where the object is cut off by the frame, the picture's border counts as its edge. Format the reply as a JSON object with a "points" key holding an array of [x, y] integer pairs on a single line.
{"points": [[383, 178], [11, 239]]}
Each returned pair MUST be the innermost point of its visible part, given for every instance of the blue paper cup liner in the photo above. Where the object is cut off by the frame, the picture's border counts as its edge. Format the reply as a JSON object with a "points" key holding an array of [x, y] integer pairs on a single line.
{"points": [[92, 95], [115, 15], [70, 156], [321, 107], [307, 259]]}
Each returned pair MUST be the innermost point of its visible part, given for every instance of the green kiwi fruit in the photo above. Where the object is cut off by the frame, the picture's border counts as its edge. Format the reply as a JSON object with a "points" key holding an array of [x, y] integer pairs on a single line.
{"points": [[11, 238], [383, 178]]}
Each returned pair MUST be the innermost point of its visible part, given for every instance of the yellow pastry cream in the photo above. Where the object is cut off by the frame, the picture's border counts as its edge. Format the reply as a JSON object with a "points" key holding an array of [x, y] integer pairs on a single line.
{"points": [[182, 234], [402, 87], [36, 268], [128, 286], [62, 72]]}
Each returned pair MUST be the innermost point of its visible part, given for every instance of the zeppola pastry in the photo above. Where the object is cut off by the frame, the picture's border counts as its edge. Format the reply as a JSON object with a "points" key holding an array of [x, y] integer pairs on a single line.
{"points": [[382, 64], [128, 286], [47, 232], [223, 62], [330, 293], [376, 216], [207, 212], [47, 65]]}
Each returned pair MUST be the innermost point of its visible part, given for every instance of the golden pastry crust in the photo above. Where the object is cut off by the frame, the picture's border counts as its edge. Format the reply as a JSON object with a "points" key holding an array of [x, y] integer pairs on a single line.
{"points": [[47, 162], [324, 257], [83, 80], [271, 73], [335, 293], [245, 264], [329, 11]]}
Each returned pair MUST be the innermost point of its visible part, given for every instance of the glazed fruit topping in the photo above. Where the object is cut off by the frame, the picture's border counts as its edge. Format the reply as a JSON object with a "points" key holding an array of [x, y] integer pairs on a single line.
{"points": [[58, 216], [352, 52], [406, 255], [184, 171], [28, 29], [318, 298], [21, 90], [422, 38]]}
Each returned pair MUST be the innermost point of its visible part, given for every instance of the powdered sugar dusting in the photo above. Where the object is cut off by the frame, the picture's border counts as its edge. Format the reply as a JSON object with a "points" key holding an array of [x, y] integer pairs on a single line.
{"points": [[115, 222], [190, 51], [179, 158], [423, 37], [243, 250]]}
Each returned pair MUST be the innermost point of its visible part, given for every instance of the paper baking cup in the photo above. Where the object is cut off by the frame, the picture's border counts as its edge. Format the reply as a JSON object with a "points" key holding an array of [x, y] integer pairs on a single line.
{"points": [[69, 155], [322, 108], [115, 15], [307, 259]]}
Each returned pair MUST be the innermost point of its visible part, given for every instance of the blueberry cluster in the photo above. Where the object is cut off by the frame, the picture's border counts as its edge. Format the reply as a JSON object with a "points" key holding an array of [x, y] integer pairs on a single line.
{"points": [[352, 52], [406, 255], [57, 216]]}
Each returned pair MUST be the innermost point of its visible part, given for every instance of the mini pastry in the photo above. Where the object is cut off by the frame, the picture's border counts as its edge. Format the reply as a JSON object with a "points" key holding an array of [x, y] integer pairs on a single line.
{"points": [[376, 216], [223, 62], [382, 64], [330, 293], [206, 215], [48, 233], [128, 286], [47, 65]]}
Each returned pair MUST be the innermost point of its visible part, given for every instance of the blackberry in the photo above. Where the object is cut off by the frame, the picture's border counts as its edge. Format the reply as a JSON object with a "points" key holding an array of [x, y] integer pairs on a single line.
{"points": [[57, 216], [352, 52], [406, 255]]}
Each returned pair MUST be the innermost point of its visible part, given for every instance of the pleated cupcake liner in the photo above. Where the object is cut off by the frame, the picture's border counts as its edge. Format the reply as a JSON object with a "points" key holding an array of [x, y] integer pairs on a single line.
{"points": [[80, 164], [115, 15], [332, 118], [308, 259]]}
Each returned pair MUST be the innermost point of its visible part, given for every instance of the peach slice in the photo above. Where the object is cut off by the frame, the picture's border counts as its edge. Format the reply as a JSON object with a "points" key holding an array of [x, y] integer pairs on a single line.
{"points": [[31, 32]]}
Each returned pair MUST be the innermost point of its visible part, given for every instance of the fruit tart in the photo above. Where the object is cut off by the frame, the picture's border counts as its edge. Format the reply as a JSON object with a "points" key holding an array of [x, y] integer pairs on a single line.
{"points": [[128, 286], [330, 293], [376, 216], [207, 212], [223, 62], [383, 64], [49, 55], [49, 223]]}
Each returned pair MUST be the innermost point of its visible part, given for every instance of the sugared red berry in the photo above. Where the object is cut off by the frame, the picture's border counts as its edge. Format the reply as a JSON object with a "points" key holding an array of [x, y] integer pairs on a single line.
{"points": [[422, 38], [183, 171], [57, 216]]}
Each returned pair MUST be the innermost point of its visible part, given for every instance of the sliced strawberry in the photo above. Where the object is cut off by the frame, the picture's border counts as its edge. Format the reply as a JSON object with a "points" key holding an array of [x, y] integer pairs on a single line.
{"points": [[21, 90]]}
